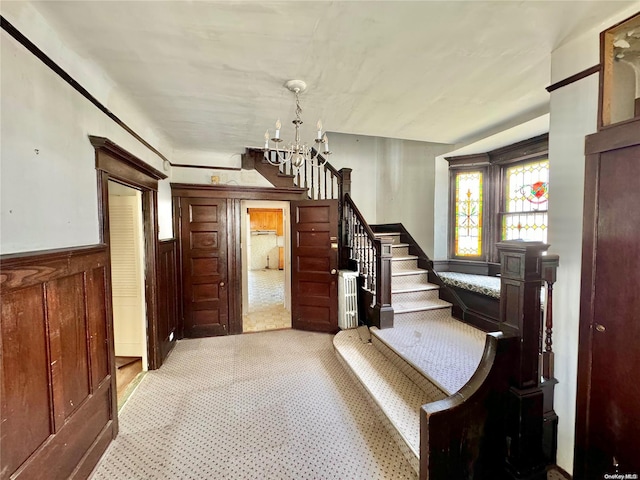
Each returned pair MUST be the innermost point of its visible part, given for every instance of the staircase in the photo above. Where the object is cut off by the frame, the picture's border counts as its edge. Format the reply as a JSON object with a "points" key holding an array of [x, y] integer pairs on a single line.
{"points": [[411, 292], [427, 356]]}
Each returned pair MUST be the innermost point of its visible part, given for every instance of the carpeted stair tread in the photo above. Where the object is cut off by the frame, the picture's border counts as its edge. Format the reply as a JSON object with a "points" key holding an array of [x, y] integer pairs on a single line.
{"points": [[419, 306], [387, 234], [418, 271], [405, 257], [416, 287], [446, 350]]}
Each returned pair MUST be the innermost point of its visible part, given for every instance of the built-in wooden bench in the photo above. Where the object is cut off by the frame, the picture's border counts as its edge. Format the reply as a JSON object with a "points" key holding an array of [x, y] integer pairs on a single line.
{"points": [[482, 284]]}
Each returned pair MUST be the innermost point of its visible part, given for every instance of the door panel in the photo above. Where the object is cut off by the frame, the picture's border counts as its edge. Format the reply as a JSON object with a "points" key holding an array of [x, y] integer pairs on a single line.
{"points": [[614, 398], [314, 233], [204, 263]]}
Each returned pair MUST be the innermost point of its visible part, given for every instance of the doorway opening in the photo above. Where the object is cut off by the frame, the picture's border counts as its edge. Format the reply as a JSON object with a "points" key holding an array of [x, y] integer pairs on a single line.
{"points": [[266, 267], [126, 240]]}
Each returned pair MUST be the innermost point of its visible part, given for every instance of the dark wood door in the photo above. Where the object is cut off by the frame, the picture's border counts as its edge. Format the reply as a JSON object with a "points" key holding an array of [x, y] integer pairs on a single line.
{"points": [[314, 275], [608, 410], [204, 266]]}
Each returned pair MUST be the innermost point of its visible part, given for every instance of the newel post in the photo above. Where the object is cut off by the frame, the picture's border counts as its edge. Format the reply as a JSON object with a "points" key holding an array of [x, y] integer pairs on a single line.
{"points": [[520, 315], [344, 187], [383, 309]]}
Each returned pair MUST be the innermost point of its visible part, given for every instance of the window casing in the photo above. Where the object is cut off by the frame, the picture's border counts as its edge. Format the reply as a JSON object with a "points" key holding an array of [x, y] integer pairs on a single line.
{"points": [[507, 201]]}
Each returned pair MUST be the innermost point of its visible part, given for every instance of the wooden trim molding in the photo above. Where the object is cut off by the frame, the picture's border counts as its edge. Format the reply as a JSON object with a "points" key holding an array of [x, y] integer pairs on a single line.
{"points": [[205, 167], [106, 163], [115, 163], [619, 135], [237, 191], [525, 150], [57, 410], [574, 78]]}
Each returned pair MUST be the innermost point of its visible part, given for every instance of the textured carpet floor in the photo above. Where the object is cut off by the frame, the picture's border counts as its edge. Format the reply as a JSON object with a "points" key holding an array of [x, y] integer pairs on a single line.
{"points": [[272, 405]]}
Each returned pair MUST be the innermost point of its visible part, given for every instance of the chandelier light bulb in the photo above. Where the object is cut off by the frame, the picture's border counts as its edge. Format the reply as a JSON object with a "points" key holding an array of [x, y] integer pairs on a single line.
{"points": [[278, 125], [319, 125]]}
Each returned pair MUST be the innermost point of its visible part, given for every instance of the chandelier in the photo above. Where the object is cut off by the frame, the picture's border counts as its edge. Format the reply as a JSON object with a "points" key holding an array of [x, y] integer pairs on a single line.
{"points": [[296, 153]]}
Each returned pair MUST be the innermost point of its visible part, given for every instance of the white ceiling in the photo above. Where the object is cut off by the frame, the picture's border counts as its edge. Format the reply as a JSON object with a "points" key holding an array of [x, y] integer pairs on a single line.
{"points": [[211, 74]]}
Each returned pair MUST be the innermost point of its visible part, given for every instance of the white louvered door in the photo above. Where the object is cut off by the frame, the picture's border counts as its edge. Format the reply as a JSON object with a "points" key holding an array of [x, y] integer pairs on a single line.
{"points": [[127, 275]]}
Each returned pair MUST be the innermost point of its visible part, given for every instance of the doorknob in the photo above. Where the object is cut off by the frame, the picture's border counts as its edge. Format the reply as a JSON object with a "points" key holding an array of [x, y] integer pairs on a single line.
{"points": [[333, 271], [222, 284], [600, 328]]}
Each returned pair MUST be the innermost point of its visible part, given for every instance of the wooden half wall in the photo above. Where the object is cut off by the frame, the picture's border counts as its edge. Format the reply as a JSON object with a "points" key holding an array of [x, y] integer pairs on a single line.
{"points": [[57, 364]]}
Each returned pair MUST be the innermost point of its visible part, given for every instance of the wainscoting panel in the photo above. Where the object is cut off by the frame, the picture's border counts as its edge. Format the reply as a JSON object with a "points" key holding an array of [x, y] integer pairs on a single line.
{"points": [[167, 296], [58, 413]]}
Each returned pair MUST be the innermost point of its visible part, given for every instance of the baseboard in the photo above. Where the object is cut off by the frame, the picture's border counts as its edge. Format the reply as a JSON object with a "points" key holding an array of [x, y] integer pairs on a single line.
{"points": [[94, 454], [562, 472]]}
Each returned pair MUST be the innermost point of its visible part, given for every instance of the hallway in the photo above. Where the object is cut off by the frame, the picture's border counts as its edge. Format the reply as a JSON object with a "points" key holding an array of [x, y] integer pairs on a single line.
{"points": [[269, 405]]}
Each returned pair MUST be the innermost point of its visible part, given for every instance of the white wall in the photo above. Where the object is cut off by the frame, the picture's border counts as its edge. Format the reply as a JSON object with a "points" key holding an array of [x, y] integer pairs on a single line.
{"points": [[48, 185], [226, 177], [406, 187], [359, 153], [393, 181]]}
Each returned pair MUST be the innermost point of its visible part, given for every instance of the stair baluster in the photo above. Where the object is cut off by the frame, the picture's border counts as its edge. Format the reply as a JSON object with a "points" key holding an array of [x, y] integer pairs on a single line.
{"points": [[373, 258]]}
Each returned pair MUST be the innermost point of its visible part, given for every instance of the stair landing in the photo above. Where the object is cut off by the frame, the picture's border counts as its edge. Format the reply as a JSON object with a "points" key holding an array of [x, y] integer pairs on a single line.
{"points": [[444, 349]]}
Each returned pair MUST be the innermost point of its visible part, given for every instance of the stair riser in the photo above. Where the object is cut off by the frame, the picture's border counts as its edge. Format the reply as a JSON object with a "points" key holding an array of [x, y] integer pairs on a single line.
{"points": [[397, 283], [425, 296], [433, 392], [400, 265], [407, 452], [400, 251], [424, 315]]}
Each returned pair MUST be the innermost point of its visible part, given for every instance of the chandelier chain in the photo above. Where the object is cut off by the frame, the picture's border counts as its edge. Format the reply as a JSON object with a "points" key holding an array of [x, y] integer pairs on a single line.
{"points": [[298, 107]]}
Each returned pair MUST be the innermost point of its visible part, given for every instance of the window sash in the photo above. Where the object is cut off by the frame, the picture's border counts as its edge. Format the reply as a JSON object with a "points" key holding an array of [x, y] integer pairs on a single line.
{"points": [[468, 241]]}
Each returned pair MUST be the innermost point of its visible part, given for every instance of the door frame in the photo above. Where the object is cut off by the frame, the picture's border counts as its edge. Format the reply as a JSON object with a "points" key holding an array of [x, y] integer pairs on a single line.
{"points": [[234, 194], [116, 164]]}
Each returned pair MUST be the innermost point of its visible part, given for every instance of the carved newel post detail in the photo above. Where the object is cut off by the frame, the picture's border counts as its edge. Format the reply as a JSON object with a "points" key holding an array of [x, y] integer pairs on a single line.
{"points": [[520, 314], [549, 267]]}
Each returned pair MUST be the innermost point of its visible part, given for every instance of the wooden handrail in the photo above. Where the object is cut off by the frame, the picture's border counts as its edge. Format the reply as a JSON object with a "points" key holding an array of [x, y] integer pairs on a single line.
{"points": [[373, 257], [349, 201]]}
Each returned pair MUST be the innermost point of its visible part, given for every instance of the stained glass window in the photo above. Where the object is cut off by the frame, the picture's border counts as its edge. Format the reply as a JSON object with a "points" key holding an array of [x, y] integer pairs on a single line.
{"points": [[526, 199], [468, 206]]}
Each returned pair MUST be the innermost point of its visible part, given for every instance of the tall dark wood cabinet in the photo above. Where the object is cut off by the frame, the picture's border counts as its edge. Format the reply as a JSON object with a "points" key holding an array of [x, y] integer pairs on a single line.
{"points": [[608, 396]]}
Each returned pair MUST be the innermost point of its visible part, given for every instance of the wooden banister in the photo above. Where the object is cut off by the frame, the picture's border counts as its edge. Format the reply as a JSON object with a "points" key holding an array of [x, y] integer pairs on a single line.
{"points": [[372, 258]]}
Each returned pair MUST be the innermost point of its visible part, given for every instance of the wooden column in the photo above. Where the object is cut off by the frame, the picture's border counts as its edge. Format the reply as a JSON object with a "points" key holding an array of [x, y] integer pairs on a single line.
{"points": [[520, 314]]}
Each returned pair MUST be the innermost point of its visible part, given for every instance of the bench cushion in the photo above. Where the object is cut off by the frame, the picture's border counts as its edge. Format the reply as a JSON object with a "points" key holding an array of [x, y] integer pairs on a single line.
{"points": [[483, 284]]}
